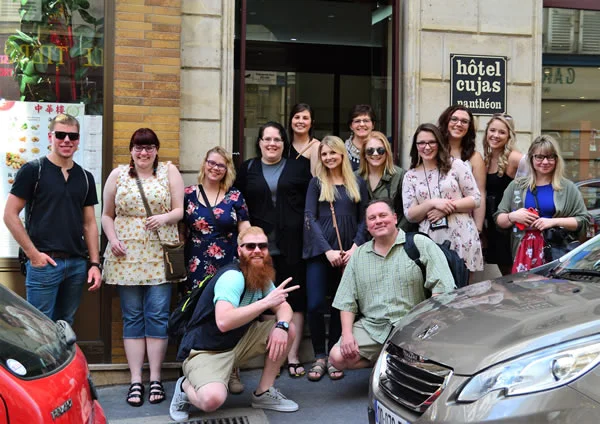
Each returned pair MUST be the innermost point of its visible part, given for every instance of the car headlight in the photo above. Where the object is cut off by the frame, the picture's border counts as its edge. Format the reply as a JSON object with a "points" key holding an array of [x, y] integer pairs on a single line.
{"points": [[380, 366], [542, 370]]}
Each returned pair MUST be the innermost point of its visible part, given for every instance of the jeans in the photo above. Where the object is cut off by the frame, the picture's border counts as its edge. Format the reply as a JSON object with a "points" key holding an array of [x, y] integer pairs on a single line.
{"points": [[145, 311], [322, 280], [56, 290]]}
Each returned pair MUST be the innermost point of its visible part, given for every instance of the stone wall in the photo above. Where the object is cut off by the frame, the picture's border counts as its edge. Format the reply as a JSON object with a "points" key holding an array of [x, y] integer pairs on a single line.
{"points": [[206, 80], [433, 29]]}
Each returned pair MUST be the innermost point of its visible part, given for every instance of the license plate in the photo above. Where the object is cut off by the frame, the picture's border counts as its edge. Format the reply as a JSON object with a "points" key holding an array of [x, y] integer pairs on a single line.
{"points": [[385, 416]]}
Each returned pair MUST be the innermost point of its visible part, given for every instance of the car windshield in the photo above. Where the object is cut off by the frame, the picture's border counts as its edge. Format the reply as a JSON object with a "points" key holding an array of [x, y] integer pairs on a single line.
{"points": [[586, 258], [31, 345]]}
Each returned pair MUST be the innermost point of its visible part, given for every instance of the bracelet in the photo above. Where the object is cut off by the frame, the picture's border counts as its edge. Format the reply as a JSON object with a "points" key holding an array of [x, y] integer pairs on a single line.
{"points": [[509, 220], [96, 264]]}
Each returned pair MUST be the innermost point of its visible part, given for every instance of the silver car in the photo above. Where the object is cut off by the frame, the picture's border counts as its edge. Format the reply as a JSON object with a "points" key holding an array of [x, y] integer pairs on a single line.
{"points": [[524, 348]]}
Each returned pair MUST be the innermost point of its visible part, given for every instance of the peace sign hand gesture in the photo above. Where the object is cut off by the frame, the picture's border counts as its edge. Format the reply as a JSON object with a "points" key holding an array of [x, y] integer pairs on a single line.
{"points": [[280, 294]]}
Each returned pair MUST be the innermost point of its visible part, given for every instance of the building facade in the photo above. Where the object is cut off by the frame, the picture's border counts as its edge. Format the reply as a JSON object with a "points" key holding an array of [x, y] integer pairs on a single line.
{"points": [[209, 72]]}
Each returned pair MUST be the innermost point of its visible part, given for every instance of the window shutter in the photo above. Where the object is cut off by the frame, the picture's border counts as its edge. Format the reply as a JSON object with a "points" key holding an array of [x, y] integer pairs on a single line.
{"points": [[561, 31], [589, 32]]}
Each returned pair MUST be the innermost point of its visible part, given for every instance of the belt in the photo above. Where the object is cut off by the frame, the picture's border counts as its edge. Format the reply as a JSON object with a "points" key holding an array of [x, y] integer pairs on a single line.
{"points": [[59, 255]]}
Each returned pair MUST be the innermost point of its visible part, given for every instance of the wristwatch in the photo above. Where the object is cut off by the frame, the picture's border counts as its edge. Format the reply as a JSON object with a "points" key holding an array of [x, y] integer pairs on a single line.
{"points": [[96, 264], [284, 325]]}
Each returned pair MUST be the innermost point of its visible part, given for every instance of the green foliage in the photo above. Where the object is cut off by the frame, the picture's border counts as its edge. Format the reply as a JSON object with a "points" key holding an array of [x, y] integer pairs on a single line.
{"points": [[52, 46]]}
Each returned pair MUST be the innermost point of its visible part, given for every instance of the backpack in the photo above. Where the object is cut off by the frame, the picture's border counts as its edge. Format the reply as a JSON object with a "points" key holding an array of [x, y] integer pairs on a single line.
{"points": [[459, 270], [185, 308]]}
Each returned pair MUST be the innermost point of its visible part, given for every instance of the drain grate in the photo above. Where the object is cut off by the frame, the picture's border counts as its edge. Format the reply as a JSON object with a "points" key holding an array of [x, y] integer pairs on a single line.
{"points": [[229, 420]]}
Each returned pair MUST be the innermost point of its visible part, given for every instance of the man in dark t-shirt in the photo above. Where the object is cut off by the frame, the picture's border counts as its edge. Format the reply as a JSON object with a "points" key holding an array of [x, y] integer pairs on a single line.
{"points": [[62, 233]]}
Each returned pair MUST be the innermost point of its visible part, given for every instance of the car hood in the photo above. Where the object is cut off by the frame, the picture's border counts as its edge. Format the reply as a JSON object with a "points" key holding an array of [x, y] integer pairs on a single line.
{"points": [[486, 323]]}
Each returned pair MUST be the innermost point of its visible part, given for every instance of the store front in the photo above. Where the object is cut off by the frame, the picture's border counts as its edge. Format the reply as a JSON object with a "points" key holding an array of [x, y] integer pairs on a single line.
{"points": [[329, 54]]}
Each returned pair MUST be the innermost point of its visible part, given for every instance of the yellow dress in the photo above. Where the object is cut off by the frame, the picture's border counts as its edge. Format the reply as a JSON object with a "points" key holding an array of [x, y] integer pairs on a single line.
{"points": [[143, 263]]}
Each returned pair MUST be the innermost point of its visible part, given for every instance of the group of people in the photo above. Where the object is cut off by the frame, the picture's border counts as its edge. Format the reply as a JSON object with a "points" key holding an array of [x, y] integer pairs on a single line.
{"points": [[304, 226]]}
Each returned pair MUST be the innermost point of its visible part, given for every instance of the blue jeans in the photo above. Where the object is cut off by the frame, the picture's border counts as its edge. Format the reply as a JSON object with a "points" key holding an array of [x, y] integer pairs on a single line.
{"points": [[145, 311], [56, 290], [322, 281]]}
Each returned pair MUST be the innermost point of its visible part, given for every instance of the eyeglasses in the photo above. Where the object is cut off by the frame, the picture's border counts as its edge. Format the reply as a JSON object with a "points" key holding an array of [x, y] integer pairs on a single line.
{"points": [[149, 148], [252, 246], [272, 140], [361, 121], [421, 144], [61, 135], [372, 151], [456, 120], [219, 166], [540, 158]]}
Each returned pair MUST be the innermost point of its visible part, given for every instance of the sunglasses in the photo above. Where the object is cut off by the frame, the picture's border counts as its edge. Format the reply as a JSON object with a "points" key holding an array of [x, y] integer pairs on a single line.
{"points": [[372, 151], [61, 135], [251, 246]]}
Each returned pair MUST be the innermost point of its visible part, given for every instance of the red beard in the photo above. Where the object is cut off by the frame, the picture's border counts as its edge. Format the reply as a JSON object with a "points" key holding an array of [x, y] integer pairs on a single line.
{"points": [[258, 277]]}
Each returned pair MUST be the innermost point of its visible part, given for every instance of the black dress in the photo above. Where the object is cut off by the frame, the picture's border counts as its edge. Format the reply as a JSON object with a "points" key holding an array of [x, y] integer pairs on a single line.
{"points": [[498, 241]]}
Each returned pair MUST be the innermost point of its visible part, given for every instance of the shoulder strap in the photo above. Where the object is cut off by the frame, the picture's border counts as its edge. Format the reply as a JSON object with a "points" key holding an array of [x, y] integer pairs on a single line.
{"points": [[412, 251], [145, 200], [87, 185], [210, 208], [37, 161], [535, 199]]}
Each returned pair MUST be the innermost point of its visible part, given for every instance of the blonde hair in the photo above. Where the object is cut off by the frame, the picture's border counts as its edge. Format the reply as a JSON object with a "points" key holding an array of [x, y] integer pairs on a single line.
{"points": [[545, 144], [65, 119], [508, 147], [250, 231], [328, 189], [229, 176], [363, 169]]}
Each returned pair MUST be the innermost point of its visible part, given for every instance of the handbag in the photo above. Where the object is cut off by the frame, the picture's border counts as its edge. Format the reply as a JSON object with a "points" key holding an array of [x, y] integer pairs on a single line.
{"points": [[173, 253], [530, 253], [558, 241]]}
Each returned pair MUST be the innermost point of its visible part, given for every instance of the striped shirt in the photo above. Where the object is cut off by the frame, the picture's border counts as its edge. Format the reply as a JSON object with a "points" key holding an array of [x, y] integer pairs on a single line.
{"points": [[382, 289]]}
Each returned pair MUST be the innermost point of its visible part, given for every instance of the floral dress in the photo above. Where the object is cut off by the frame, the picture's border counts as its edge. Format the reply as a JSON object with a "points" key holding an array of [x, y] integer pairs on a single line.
{"points": [[143, 264], [209, 248], [419, 186]]}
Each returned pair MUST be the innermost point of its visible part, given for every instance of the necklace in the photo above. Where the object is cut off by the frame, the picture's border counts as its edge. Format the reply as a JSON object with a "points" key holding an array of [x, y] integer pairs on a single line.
{"points": [[217, 196], [427, 181]]}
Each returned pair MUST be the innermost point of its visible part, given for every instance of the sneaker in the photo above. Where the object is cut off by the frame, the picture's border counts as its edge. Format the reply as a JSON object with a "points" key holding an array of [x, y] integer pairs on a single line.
{"points": [[273, 399], [180, 404], [235, 385]]}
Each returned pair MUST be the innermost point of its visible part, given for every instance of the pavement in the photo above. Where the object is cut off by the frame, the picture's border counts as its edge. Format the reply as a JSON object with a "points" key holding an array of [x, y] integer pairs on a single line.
{"points": [[343, 401]]}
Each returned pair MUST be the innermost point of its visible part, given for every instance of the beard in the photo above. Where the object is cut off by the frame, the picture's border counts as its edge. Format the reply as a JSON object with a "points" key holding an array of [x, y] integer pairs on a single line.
{"points": [[257, 276]]}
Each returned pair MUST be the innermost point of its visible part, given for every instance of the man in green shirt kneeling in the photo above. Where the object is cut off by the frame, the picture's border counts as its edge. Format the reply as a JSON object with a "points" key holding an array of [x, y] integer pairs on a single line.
{"points": [[382, 284]]}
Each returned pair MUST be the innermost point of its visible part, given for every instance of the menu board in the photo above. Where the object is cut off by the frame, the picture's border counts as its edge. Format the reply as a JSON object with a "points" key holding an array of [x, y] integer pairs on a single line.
{"points": [[25, 137]]}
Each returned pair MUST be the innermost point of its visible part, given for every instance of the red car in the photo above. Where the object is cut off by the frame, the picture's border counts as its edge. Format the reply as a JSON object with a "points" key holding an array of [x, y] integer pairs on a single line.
{"points": [[44, 377]]}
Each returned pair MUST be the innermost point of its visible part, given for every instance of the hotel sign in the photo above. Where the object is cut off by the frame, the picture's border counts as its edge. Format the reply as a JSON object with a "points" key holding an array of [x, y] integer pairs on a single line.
{"points": [[478, 83]]}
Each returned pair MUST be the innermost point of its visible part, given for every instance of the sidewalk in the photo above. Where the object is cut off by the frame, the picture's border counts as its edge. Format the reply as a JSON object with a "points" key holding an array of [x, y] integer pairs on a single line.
{"points": [[343, 401]]}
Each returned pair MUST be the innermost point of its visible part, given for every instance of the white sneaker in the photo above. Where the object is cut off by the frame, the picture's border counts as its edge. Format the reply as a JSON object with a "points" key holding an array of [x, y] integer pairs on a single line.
{"points": [[180, 404], [273, 399]]}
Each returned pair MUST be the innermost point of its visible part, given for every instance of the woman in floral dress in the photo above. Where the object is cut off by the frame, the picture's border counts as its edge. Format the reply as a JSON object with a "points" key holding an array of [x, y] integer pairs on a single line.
{"points": [[440, 193], [210, 245]]}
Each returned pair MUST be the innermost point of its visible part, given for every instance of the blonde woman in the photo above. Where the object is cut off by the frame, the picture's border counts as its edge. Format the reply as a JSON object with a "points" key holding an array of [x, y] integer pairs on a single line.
{"points": [[559, 202], [334, 188], [210, 244], [383, 178], [501, 162]]}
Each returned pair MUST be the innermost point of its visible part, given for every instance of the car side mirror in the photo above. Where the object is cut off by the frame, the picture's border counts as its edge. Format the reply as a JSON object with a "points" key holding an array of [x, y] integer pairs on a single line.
{"points": [[66, 332]]}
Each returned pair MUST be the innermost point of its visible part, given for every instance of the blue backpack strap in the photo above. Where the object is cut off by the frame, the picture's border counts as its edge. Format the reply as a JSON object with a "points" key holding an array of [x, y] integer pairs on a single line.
{"points": [[412, 251]]}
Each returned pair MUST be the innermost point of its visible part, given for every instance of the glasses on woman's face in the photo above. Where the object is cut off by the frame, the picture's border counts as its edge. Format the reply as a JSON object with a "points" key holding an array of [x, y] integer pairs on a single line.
{"points": [[372, 151], [220, 166], [149, 148], [421, 144], [455, 120], [541, 158], [269, 140], [361, 121], [252, 246]]}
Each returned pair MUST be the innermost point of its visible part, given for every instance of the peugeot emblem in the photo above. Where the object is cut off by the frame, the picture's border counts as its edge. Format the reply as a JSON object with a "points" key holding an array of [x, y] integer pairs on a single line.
{"points": [[430, 331]]}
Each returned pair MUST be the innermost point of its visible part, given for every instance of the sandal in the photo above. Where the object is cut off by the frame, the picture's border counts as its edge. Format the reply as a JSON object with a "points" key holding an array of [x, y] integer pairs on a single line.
{"points": [[135, 394], [293, 370], [157, 391], [318, 368], [333, 370]]}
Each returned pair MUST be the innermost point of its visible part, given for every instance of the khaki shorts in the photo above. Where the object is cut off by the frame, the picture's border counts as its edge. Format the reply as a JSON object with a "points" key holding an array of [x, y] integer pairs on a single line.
{"points": [[368, 348], [202, 366]]}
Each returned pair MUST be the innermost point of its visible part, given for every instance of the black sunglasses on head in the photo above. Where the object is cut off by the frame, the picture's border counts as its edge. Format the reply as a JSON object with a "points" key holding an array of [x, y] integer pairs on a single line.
{"points": [[61, 135]]}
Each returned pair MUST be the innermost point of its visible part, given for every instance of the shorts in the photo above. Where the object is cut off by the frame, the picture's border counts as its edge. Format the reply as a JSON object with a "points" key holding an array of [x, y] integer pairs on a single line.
{"points": [[203, 366], [368, 348]]}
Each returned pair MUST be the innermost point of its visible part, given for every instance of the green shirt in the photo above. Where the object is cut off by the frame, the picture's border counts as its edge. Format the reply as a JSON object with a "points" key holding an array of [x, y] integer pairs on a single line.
{"points": [[385, 288]]}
